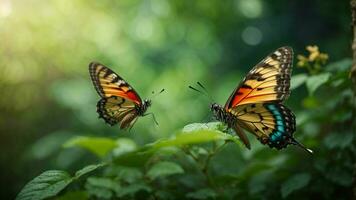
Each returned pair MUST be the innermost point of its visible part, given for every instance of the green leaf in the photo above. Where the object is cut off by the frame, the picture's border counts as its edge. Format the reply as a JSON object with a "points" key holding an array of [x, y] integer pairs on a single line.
{"points": [[129, 174], [298, 80], [294, 183], [342, 65], [50, 183], [100, 146], [215, 126], [132, 189], [136, 158], [339, 140], [47, 184], [164, 168], [88, 169], [315, 81], [204, 193], [103, 183], [191, 134], [124, 145], [101, 187], [196, 133]]}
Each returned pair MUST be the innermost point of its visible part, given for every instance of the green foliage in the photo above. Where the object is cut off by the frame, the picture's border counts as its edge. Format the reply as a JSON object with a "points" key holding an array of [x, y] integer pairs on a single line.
{"points": [[190, 158], [295, 183], [205, 193], [201, 161], [315, 81], [48, 102], [50, 183], [298, 80], [96, 145], [163, 169]]}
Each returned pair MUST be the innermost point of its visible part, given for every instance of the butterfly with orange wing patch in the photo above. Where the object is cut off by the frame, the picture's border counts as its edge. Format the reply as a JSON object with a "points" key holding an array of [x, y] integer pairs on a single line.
{"points": [[119, 102], [256, 104]]}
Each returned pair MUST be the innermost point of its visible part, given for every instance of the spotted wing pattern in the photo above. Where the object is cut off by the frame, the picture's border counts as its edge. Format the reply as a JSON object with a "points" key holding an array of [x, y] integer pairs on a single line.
{"points": [[268, 81], [119, 99], [271, 123], [116, 109]]}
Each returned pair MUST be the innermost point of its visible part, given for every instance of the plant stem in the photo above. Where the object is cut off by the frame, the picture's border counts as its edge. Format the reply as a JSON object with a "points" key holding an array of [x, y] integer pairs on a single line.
{"points": [[204, 167]]}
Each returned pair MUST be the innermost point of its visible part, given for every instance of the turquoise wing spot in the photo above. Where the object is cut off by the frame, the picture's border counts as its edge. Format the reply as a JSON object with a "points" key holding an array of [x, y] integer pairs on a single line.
{"points": [[278, 118], [280, 128], [277, 135], [284, 125]]}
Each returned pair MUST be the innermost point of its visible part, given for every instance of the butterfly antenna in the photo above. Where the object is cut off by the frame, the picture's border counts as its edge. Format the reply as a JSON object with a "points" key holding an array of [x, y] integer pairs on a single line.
{"points": [[295, 142], [156, 94], [206, 91], [193, 88]]}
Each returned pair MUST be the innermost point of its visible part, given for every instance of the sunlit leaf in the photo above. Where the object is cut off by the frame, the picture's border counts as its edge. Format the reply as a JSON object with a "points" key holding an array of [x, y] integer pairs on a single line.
{"points": [[164, 168], [192, 134], [298, 80], [124, 145], [100, 146], [196, 133], [47, 184], [294, 183], [50, 183], [315, 81], [217, 126], [88, 169]]}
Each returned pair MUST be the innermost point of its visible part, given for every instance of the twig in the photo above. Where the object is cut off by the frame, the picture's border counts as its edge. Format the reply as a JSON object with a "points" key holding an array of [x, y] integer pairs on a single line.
{"points": [[204, 167]]}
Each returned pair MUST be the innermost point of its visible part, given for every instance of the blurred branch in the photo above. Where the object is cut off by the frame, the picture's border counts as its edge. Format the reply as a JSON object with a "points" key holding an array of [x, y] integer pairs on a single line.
{"points": [[353, 77]]}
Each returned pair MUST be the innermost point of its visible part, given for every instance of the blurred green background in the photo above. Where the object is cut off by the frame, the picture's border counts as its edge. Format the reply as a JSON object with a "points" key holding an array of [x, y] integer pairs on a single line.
{"points": [[46, 46]]}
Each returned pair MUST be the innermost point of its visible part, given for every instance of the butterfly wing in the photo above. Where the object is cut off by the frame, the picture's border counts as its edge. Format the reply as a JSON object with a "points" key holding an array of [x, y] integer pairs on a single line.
{"points": [[271, 123], [119, 99], [256, 103], [268, 81], [107, 83], [117, 110]]}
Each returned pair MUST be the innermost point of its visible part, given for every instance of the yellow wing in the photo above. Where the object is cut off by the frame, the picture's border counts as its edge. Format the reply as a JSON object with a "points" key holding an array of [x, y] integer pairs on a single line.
{"points": [[271, 123], [268, 81]]}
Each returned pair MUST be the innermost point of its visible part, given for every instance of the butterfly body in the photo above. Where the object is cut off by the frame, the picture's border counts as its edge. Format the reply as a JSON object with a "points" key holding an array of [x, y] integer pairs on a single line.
{"points": [[119, 103], [256, 104]]}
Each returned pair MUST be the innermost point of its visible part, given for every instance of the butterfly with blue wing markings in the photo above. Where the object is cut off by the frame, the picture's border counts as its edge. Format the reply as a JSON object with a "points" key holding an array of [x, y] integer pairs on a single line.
{"points": [[119, 102], [256, 104]]}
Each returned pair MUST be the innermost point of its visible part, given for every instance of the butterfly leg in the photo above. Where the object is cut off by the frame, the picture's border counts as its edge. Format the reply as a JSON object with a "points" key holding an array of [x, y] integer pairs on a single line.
{"points": [[153, 116], [241, 135]]}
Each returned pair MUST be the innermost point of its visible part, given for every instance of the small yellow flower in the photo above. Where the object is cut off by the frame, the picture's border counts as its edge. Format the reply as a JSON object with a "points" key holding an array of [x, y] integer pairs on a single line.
{"points": [[313, 48], [323, 57], [313, 56], [302, 60], [314, 60]]}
